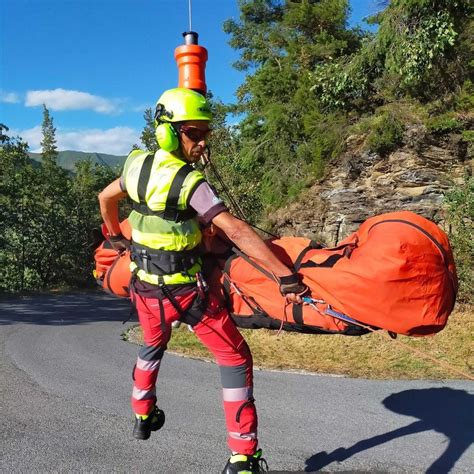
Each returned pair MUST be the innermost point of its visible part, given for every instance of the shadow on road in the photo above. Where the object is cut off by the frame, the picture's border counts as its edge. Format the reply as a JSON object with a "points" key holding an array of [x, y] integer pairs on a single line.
{"points": [[63, 309], [444, 410]]}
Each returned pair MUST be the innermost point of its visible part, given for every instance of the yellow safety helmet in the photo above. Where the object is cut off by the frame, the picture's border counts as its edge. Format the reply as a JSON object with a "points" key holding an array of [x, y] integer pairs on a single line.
{"points": [[178, 105]]}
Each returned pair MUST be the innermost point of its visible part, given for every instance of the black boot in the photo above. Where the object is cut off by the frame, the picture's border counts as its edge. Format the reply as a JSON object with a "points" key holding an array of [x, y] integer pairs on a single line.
{"points": [[246, 464], [145, 425]]}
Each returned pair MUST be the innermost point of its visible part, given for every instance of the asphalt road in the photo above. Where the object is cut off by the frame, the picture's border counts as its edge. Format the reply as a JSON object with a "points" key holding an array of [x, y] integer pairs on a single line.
{"points": [[65, 383]]}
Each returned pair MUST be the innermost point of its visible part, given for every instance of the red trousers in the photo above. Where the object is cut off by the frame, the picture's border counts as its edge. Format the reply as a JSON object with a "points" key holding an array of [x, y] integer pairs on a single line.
{"points": [[218, 333]]}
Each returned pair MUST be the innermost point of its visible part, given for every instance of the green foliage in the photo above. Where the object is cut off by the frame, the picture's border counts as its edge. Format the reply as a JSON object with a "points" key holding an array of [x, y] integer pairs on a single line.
{"points": [[460, 219], [148, 137], [307, 72], [347, 82], [47, 216], [48, 143], [444, 123], [464, 101], [468, 135], [15, 196], [284, 138], [422, 49], [423, 42], [384, 132], [86, 183]]}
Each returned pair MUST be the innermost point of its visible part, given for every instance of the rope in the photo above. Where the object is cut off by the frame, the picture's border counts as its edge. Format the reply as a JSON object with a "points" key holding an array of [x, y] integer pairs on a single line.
{"points": [[239, 213]]}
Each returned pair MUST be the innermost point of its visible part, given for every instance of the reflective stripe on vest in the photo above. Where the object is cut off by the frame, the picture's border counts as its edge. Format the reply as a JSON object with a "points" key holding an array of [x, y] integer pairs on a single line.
{"points": [[174, 279], [151, 229]]}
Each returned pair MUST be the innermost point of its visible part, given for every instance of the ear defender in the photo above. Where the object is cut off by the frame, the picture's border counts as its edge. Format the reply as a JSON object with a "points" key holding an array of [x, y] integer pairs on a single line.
{"points": [[167, 137]]}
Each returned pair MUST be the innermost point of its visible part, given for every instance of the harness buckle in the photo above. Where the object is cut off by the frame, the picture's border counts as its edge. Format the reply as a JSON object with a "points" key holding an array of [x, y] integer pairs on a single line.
{"points": [[145, 257], [201, 284]]}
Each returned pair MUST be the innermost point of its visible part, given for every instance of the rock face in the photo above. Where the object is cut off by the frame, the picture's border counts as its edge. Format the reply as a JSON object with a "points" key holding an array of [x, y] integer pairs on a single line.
{"points": [[362, 184]]}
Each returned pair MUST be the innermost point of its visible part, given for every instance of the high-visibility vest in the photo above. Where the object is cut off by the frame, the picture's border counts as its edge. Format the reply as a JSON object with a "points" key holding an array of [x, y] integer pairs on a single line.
{"points": [[163, 225]]}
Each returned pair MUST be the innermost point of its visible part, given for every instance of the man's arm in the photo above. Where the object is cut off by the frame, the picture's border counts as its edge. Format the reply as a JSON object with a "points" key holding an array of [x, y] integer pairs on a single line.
{"points": [[109, 208], [251, 244]]}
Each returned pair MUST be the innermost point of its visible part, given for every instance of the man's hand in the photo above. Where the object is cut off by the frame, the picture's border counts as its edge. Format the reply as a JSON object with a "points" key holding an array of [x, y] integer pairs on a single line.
{"points": [[109, 208], [119, 243], [292, 289]]}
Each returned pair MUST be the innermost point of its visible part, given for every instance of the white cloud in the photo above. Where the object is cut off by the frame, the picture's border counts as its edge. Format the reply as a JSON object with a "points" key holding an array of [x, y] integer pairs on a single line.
{"points": [[32, 136], [9, 97], [61, 99], [115, 141]]}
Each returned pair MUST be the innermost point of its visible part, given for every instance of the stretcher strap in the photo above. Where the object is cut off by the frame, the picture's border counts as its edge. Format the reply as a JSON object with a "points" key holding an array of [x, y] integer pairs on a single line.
{"points": [[255, 265], [330, 261], [312, 245], [298, 313]]}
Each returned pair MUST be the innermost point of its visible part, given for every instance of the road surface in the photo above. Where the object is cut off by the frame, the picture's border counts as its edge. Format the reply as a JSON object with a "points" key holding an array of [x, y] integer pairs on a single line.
{"points": [[65, 383]]}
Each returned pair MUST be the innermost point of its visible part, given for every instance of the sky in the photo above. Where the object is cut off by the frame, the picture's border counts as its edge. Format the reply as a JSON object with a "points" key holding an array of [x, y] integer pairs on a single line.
{"points": [[98, 64]]}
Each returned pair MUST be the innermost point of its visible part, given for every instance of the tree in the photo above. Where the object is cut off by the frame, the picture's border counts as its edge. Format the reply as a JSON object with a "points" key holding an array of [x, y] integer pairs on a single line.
{"points": [[422, 50], [45, 231], [148, 137], [52, 209], [15, 198], [48, 143], [284, 137], [88, 180]]}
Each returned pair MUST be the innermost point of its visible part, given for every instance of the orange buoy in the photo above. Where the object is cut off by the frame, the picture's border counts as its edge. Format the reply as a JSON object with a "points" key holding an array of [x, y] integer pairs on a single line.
{"points": [[191, 60]]}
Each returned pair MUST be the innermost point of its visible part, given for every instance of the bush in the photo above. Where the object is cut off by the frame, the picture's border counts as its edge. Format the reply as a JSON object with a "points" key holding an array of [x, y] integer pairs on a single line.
{"points": [[445, 123], [460, 219], [465, 98], [385, 133], [468, 136]]}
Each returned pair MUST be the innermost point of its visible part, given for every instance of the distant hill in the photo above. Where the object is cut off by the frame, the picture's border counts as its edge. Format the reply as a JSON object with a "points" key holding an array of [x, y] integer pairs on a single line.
{"points": [[67, 159]]}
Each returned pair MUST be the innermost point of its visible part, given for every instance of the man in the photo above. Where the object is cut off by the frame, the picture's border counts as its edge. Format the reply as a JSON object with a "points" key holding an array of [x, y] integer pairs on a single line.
{"points": [[169, 196]]}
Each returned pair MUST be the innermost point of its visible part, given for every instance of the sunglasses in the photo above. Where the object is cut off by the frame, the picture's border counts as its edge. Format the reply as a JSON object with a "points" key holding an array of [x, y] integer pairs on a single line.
{"points": [[195, 134]]}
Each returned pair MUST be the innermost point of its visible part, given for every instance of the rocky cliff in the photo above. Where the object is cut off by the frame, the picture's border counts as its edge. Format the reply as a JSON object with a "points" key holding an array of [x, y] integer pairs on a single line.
{"points": [[361, 184]]}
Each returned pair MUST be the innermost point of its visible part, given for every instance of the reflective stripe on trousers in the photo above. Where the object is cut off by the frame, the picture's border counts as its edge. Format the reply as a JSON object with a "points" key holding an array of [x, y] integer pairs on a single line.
{"points": [[218, 333]]}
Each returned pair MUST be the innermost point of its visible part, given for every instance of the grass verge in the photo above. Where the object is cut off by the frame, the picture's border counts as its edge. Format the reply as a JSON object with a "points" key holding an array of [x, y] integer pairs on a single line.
{"points": [[372, 356]]}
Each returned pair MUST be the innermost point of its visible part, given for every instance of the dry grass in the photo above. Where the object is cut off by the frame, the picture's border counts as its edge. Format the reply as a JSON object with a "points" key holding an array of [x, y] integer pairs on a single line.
{"points": [[372, 356]]}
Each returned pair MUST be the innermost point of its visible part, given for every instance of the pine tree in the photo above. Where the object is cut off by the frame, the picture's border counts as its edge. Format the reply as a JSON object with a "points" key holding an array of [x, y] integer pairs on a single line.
{"points": [[48, 143], [148, 134], [284, 138], [53, 207]]}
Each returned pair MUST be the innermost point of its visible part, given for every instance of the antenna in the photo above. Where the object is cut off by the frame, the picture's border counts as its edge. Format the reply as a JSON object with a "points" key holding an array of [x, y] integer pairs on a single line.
{"points": [[190, 15]]}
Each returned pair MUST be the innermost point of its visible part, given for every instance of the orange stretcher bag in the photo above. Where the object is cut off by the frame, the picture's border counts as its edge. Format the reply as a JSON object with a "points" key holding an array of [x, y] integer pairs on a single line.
{"points": [[396, 272], [112, 269]]}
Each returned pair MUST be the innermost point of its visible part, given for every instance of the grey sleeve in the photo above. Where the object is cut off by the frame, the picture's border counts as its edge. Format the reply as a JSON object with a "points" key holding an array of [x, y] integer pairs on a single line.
{"points": [[206, 203], [122, 184]]}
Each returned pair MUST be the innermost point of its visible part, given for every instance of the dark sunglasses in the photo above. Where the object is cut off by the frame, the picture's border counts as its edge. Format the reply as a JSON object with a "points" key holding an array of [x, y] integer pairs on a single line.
{"points": [[195, 134]]}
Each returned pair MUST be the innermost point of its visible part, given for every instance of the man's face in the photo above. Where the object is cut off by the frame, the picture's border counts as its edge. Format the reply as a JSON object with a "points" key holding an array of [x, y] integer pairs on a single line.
{"points": [[194, 134]]}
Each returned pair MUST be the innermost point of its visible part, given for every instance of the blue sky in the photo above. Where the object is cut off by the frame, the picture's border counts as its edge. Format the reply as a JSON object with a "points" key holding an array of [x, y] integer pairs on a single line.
{"points": [[97, 64]]}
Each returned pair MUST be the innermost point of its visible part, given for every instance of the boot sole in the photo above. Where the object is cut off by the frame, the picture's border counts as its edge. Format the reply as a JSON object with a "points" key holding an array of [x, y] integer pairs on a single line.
{"points": [[141, 436]]}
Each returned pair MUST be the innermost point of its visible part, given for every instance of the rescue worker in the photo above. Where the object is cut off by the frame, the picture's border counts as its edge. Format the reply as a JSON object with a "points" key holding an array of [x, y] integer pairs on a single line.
{"points": [[170, 200]]}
